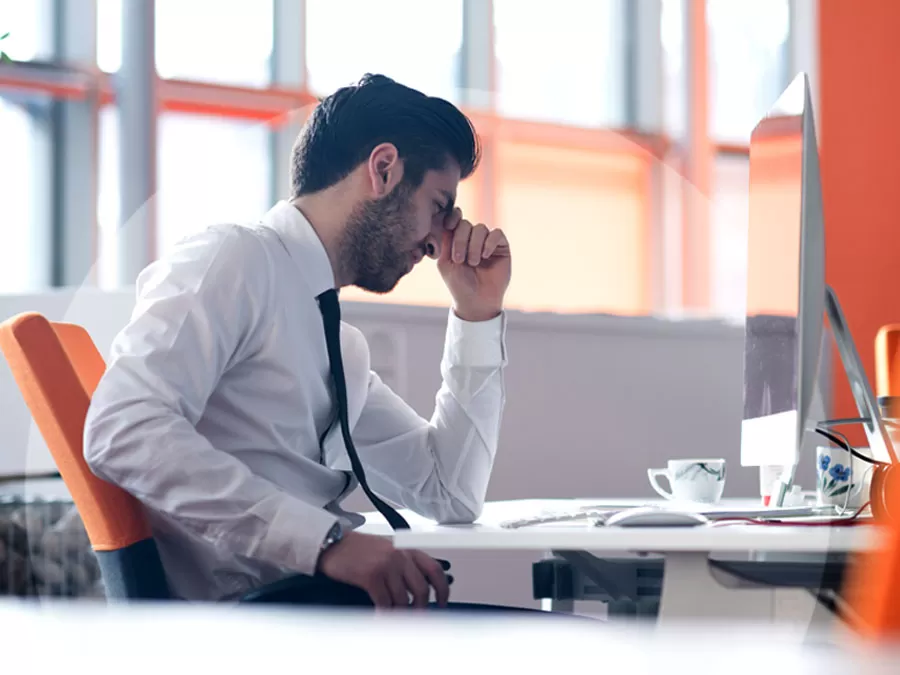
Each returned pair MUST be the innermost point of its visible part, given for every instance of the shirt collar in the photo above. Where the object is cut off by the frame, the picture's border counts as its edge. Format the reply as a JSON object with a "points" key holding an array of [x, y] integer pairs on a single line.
{"points": [[302, 244]]}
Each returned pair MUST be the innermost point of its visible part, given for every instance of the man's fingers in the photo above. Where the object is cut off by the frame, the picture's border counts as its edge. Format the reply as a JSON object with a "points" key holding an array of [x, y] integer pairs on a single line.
{"points": [[416, 583], [472, 244], [446, 246], [433, 571], [397, 587], [461, 241], [476, 243], [380, 594], [495, 241]]}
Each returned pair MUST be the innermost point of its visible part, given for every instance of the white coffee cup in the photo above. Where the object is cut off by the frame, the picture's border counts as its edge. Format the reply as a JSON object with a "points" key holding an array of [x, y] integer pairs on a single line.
{"points": [[692, 480], [841, 479]]}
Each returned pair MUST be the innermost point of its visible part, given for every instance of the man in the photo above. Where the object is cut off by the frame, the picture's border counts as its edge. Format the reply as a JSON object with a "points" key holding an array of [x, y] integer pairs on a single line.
{"points": [[226, 409]]}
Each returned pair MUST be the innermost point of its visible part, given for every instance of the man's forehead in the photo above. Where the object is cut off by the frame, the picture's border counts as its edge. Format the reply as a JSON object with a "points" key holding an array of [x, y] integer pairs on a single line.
{"points": [[444, 180]]}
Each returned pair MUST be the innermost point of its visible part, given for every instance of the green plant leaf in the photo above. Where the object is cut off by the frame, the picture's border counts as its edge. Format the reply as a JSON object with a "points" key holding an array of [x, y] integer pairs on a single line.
{"points": [[4, 36], [841, 490], [4, 58]]}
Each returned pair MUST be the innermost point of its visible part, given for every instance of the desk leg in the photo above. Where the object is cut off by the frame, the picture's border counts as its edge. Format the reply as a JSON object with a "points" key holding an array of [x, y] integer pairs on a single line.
{"points": [[690, 591]]}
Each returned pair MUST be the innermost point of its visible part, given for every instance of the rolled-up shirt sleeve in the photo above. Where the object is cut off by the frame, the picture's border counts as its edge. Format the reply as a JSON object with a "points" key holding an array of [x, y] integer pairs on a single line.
{"points": [[440, 467], [197, 313]]}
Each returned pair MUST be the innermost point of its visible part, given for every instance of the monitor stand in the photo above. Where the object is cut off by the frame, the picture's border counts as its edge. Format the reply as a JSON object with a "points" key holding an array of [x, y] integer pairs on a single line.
{"points": [[880, 444]]}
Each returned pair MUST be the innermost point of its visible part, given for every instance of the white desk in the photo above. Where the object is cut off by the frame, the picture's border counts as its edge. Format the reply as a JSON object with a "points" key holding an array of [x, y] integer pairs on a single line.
{"points": [[690, 589]]}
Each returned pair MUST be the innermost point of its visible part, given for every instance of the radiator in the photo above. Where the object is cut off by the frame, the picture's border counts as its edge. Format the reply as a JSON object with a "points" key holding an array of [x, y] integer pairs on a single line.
{"points": [[44, 550]]}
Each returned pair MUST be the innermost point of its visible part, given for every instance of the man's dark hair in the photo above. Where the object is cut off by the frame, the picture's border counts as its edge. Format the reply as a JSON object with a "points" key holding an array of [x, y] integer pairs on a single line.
{"points": [[347, 125]]}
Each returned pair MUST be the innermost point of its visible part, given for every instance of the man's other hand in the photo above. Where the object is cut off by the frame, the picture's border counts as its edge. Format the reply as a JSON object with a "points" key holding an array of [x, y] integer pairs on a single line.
{"points": [[392, 577]]}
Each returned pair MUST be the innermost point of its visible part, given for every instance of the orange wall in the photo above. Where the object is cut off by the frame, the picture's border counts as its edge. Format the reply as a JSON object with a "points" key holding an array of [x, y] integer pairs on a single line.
{"points": [[860, 143]]}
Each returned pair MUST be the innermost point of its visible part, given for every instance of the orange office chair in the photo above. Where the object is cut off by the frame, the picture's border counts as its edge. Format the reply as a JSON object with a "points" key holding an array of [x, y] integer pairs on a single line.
{"points": [[57, 367]]}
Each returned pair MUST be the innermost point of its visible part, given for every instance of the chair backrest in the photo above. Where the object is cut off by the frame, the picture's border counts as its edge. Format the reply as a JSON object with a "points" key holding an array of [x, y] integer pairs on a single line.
{"points": [[57, 368]]}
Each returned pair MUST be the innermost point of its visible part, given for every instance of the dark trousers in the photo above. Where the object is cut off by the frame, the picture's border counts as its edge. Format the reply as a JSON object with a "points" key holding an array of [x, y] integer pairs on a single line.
{"points": [[321, 591]]}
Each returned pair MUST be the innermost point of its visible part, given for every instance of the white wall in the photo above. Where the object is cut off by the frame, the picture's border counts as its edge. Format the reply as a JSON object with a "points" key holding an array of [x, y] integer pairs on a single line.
{"points": [[103, 314], [592, 403]]}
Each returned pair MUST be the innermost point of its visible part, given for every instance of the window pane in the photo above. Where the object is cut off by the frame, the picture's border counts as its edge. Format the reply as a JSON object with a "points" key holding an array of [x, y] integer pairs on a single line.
{"points": [[108, 204], [211, 170], [561, 64], [672, 33], [109, 35], [28, 23], [225, 41], [25, 219], [729, 219], [748, 63], [222, 41], [577, 223], [417, 43]]}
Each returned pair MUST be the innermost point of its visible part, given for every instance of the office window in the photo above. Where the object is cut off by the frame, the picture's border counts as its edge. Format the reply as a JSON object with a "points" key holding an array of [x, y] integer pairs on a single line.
{"points": [[221, 41], [211, 170], [577, 224], [748, 61], [561, 62], [29, 24], [25, 224], [729, 219], [415, 42]]}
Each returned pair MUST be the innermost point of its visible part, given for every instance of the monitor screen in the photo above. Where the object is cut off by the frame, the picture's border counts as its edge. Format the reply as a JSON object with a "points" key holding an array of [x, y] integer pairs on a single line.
{"points": [[771, 345]]}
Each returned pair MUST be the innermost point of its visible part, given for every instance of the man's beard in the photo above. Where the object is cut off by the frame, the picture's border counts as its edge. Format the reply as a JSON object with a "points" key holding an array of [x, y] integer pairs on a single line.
{"points": [[375, 249]]}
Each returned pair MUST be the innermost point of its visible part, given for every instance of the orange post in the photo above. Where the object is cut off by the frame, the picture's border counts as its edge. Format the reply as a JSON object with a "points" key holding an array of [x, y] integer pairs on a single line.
{"points": [[859, 137]]}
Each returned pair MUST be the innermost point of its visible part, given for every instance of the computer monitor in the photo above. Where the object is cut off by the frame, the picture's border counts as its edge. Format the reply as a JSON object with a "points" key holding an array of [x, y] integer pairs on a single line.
{"points": [[785, 281], [787, 297]]}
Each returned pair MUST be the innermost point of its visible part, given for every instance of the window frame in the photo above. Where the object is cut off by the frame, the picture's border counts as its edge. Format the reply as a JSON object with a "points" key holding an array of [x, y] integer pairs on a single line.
{"points": [[73, 79]]}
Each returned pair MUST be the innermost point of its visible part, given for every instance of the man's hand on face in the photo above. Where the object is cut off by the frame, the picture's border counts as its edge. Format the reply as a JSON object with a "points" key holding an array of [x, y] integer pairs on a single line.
{"points": [[475, 263], [389, 575]]}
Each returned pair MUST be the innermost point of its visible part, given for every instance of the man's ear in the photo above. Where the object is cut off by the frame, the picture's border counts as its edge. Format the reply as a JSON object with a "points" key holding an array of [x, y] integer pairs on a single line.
{"points": [[385, 169]]}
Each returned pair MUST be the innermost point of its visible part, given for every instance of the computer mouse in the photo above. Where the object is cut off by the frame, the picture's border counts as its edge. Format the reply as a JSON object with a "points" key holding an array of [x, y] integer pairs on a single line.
{"points": [[652, 516]]}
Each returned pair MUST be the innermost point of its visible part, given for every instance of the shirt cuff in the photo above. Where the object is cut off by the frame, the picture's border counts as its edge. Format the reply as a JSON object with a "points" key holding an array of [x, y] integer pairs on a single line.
{"points": [[295, 536], [476, 343]]}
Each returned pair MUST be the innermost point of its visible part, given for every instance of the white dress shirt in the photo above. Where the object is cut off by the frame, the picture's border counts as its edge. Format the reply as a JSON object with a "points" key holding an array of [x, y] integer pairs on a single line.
{"points": [[218, 391]]}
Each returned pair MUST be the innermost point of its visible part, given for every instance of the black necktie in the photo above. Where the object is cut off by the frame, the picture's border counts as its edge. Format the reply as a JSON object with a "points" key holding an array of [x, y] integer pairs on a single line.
{"points": [[331, 317]]}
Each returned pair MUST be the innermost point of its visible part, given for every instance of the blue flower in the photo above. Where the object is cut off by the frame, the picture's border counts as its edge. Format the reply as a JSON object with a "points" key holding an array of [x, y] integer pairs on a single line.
{"points": [[824, 461], [840, 473]]}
